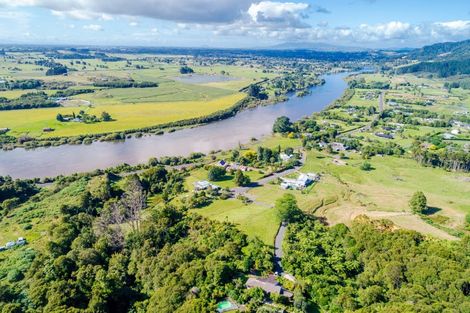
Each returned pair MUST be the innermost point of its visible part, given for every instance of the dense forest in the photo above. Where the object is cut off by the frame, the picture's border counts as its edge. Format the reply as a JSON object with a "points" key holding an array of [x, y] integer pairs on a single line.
{"points": [[372, 267], [104, 254]]}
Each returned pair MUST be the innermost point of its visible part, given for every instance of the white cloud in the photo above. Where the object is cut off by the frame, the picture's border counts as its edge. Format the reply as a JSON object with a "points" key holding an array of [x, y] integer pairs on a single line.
{"points": [[458, 25], [133, 24], [93, 27], [263, 20], [386, 31], [196, 11], [82, 15], [394, 33], [278, 12]]}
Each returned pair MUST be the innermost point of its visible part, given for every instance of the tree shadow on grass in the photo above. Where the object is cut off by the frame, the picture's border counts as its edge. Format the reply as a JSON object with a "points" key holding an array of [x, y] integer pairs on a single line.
{"points": [[431, 210]]}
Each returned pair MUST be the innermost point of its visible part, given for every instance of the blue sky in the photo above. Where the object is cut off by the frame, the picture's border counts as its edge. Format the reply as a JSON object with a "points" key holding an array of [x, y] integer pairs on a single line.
{"points": [[234, 23]]}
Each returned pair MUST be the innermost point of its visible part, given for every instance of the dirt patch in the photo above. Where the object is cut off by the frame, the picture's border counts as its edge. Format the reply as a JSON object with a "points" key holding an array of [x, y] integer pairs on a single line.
{"points": [[74, 103], [346, 212]]}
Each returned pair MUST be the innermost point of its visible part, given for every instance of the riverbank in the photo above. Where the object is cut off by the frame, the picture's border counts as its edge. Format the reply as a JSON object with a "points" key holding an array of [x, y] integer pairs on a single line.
{"points": [[219, 135], [8, 142]]}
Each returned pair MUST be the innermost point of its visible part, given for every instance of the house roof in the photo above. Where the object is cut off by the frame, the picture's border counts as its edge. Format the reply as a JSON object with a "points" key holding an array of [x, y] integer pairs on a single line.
{"points": [[265, 284]]}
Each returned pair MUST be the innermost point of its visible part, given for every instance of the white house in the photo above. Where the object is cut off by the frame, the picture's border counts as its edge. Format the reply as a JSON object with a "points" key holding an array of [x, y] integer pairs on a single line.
{"points": [[285, 157], [338, 146], [303, 181], [204, 185]]}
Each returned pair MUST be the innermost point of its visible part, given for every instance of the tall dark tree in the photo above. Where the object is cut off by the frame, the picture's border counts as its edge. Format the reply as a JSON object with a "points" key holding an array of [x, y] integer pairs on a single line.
{"points": [[282, 125]]}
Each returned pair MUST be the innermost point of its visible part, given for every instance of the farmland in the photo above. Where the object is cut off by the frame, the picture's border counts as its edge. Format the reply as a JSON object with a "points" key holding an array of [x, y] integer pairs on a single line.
{"points": [[174, 99], [126, 116]]}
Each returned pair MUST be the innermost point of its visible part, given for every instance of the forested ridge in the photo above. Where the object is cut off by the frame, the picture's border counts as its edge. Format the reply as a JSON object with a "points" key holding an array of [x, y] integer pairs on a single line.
{"points": [[441, 68]]}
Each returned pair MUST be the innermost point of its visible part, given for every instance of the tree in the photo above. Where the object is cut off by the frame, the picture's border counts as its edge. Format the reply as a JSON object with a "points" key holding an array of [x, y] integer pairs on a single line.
{"points": [[105, 116], [282, 125], [56, 70], [134, 201], [287, 208], [216, 173], [255, 91], [241, 179], [418, 202], [186, 70], [366, 166], [154, 179]]}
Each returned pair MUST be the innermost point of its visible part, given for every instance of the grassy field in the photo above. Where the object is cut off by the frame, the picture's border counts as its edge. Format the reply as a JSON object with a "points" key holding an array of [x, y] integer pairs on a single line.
{"points": [[255, 220], [131, 108], [126, 116], [344, 192]]}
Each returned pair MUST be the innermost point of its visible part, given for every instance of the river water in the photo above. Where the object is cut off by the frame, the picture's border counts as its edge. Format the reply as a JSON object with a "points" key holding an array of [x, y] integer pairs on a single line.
{"points": [[225, 134]]}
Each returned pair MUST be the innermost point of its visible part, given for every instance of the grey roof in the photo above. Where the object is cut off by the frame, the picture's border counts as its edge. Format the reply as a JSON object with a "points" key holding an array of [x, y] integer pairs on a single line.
{"points": [[267, 286]]}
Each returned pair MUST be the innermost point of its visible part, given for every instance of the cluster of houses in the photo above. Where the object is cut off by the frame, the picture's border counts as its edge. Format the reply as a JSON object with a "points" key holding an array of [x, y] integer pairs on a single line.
{"points": [[335, 146], [11, 244], [458, 128], [232, 166], [301, 182], [369, 95], [390, 130]]}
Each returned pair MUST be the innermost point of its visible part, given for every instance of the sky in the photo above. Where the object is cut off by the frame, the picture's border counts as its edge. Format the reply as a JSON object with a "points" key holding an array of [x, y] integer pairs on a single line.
{"points": [[234, 23]]}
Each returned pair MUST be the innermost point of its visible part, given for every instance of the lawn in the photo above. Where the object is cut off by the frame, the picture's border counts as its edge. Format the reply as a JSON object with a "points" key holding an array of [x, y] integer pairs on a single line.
{"points": [[255, 220], [393, 181], [126, 116]]}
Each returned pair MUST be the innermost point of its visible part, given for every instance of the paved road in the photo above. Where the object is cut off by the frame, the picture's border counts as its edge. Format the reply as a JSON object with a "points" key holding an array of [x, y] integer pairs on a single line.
{"points": [[381, 102], [278, 253]]}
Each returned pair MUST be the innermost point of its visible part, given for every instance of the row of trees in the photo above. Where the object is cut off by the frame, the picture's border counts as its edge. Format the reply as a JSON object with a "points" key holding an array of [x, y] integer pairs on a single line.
{"points": [[455, 160], [22, 84], [84, 117], [125, 84], [29, 100], [360, 83]]}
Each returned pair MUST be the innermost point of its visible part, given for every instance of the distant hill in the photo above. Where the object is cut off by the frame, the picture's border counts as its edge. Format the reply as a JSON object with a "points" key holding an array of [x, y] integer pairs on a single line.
{"points": [[324, 47], [443, 59], [440, 68], [443, 51]]}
